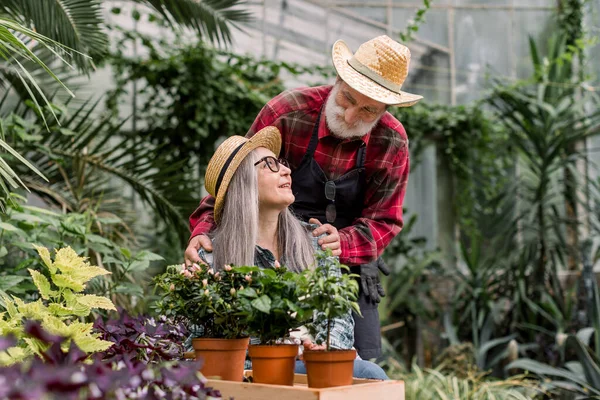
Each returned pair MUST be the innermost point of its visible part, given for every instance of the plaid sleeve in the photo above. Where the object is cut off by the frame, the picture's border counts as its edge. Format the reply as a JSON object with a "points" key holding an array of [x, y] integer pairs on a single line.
{"points": [[381, 219], [202, 220]]}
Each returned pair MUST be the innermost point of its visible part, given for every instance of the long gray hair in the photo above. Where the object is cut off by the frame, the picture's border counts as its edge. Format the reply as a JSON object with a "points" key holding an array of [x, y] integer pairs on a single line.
{"points": [[235, 237]]}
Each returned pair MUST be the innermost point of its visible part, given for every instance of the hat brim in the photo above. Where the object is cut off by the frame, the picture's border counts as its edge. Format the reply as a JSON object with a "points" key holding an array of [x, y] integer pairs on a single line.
{"points": [[268, 137], [341, 54]]}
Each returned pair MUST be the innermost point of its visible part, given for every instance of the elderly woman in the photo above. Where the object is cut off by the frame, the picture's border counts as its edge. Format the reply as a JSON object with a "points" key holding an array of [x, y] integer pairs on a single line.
{"points": [[253, 191]]}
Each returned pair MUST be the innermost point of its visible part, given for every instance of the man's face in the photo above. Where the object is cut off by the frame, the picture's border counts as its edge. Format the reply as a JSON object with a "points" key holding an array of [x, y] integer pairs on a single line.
{"points": [[351, 114]]}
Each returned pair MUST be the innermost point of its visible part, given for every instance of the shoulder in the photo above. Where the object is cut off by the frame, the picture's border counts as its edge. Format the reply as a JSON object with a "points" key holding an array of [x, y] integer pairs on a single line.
{"points": [[388, 142], [300, 99], [391, 131]]}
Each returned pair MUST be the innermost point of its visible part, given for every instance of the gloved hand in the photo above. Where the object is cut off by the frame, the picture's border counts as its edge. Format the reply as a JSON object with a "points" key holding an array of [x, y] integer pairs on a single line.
{"points": [[369, 279]]}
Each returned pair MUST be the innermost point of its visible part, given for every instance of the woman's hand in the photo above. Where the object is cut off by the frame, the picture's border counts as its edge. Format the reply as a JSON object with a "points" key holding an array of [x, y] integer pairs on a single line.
{"points": [[331, 241], [309, 345]]}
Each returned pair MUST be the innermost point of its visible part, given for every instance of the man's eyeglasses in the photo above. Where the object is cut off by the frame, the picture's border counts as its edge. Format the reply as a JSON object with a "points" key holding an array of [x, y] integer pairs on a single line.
{"points": [[273, 163]]}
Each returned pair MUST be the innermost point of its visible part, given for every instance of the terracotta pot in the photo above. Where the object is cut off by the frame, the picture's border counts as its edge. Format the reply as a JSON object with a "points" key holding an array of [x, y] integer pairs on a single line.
{"points": [[223, 358], [329, 368], [275, 364]]}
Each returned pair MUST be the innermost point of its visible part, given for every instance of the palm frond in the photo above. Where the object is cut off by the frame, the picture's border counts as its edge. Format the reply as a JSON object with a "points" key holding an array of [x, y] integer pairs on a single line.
{"points": [[76, 24], [101, 163], [211, 19]]}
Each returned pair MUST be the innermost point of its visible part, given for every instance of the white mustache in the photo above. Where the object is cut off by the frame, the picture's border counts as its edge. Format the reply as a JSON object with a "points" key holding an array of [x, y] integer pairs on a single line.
{"points": [[334, 116]]}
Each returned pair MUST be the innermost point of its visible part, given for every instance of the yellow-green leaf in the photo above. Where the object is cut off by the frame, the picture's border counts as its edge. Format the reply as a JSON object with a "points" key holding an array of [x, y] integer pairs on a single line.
{"points": [[35, 310], [65, 281], [56, 326], [42, 284], [45, 256], [13, 355], [87, 272], [36, 346], [94, 301], [80, 329], [59, 310], [10, 306], [67, 260], [91, 344]]}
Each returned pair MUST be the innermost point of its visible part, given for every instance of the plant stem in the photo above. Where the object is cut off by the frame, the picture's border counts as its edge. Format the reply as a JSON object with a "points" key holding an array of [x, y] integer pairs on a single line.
{"points": [[328, 334]]}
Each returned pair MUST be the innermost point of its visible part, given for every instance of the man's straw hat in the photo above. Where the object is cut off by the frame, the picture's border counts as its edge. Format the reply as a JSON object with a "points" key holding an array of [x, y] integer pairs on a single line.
{"points": [[229, 156], [377, 69]]}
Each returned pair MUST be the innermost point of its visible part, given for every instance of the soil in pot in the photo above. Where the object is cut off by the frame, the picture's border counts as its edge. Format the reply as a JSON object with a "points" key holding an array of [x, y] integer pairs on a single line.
{"points": [[329, 368], [223, 358], [273, 365]]}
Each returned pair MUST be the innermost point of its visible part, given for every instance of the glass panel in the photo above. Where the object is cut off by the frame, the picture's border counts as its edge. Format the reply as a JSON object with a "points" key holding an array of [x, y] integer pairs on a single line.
{"points": [[481, 44], [482, 2], [538, 25], [378, 14], [434, 29]]}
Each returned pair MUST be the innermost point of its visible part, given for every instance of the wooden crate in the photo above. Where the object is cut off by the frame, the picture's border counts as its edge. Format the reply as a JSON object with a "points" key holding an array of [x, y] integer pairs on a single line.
{"points": [[360, 389]]}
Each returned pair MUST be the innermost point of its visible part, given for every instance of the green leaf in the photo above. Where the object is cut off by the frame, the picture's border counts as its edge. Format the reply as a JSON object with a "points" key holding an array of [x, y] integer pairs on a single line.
{"points": [[130, 288], [138, 266], [7, 282], [248, 292], [126, 252], [263, 303], [148, 256]]}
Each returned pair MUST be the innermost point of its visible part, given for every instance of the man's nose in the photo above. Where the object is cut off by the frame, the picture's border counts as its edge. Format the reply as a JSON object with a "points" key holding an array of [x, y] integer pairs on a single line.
{"points": [[351, 115]]}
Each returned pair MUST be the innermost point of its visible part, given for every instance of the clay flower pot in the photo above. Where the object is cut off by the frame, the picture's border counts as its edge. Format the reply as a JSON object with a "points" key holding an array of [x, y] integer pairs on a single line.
{"points": [[274, 364], [222, 357], [329, 368]]}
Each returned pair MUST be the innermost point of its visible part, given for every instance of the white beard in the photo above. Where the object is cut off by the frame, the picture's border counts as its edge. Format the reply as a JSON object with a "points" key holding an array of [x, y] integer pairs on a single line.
{"points": [[334, 116]]}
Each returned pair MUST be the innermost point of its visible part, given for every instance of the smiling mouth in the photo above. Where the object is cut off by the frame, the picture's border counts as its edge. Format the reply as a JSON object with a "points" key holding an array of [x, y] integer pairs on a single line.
{"points": [[285, 185]]}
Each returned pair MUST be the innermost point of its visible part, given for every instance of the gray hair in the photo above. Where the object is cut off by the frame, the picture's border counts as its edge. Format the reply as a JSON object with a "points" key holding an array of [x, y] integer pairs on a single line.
{"points": [[235, 237]]}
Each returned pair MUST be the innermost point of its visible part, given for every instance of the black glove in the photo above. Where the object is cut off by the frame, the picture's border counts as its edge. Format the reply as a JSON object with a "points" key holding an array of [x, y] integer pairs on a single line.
{"points": [[369, 279]]}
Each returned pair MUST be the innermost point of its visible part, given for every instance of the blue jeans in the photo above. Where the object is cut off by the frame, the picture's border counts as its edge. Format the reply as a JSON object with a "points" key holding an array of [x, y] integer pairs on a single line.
{"points": [[362, 369]]}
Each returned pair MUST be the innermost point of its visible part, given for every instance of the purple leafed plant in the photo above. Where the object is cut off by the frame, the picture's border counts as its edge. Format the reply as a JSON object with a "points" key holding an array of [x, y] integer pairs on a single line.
{"points": [[120, 375], [141, 338]]}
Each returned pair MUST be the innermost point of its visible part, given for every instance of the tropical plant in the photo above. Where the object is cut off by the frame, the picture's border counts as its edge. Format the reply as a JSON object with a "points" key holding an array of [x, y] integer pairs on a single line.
{"points": [[411, 290], [581, 377], [435, 385], [545, 122], [208, 302], [73, 375], [329, 293], [272, 306], [60, 305], [98, 236]]}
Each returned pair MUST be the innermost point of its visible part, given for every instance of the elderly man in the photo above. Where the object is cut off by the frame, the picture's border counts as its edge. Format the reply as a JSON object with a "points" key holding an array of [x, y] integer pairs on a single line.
{"points": [[350, 165]]}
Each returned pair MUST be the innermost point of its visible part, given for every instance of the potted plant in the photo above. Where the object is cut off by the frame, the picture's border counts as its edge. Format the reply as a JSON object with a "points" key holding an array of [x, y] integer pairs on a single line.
{"points": [[272, 308], [208, 302], [331, 294]]}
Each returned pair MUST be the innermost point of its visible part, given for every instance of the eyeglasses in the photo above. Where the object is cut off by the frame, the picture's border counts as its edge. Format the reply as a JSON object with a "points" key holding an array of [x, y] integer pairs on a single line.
{"points": [[330, 211], [273, 163]]}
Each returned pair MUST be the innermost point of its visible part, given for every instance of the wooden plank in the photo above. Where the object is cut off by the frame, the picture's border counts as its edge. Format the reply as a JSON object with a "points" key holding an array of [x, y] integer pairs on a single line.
{"points": [[360, 389]]}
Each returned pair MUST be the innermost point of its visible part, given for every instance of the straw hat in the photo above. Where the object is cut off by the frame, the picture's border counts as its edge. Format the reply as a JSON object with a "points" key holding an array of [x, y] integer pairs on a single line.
{"points": [[377, 69], [229, 156]]}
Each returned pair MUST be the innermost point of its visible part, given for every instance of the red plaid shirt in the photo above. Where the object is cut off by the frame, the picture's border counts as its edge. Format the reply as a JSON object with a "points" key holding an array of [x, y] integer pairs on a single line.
{"points": [[387, 166]]}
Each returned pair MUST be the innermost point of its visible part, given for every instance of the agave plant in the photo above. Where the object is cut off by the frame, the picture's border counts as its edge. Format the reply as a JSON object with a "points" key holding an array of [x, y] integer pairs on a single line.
{"points": [[546, 122]]}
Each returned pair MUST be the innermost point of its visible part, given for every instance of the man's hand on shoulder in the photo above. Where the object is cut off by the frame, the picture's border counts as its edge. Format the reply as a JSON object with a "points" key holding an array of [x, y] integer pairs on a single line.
{"points": [[194, 245]]}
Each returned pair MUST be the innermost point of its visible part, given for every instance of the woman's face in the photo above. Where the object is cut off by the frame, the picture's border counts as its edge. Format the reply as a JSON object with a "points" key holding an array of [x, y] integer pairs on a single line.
{"points": [[274, 188]]}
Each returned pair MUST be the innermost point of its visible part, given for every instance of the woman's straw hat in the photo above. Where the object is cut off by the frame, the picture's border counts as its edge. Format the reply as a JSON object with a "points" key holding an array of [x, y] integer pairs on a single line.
{"points": [[377, 69], [229, 156]]}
